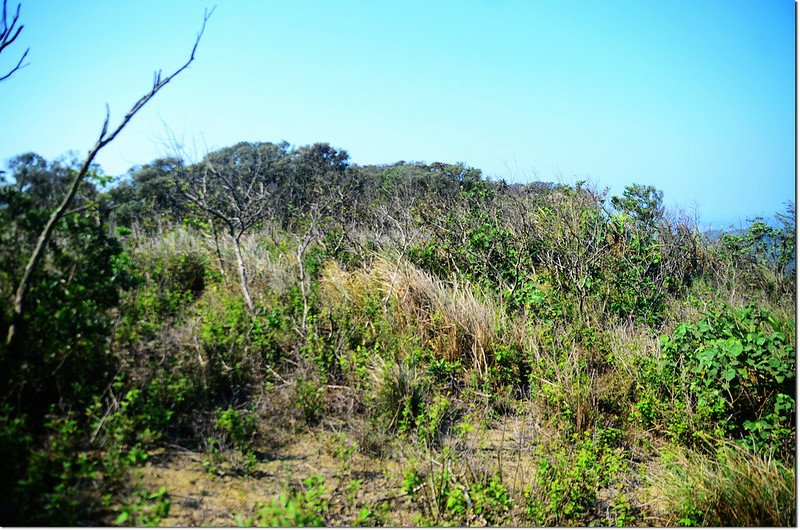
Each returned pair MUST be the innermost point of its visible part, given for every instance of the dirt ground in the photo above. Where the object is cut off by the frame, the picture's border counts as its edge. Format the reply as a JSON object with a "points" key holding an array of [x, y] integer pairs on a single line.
{"points": [[199, 497]]}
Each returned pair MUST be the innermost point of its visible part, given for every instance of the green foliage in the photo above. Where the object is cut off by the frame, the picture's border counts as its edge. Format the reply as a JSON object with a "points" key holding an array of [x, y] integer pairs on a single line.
{"points": [[130, 344], [644, 204], [304, 506], [213, 464], [455, 500], [57, 477], [339, 247], [61, 351], [400, 395], [140, 416], [239, 346], [237, 427], [147, 197], [346, 339], [60, 359], [764, 255], [16, 443], [484, 501], [510, 366], [47, 182], [310, 400], [145, 509], [739, 369], [566, 483], [474, 241], [431, 420], [230, 449], [638, 284]]}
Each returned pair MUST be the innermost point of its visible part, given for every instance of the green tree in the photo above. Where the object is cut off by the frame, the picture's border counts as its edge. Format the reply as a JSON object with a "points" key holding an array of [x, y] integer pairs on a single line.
{"points": [[148, 194], [644, 204]]}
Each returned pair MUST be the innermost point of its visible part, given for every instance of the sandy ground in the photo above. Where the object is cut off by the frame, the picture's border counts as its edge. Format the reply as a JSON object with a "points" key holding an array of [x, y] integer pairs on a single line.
{"points": [[200, 498]]}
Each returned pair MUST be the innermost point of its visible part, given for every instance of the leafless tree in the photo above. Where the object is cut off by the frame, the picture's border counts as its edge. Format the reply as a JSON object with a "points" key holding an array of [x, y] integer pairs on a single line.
{"points": [[237, 195], [575, 241], [105, 138], [8, 34]]}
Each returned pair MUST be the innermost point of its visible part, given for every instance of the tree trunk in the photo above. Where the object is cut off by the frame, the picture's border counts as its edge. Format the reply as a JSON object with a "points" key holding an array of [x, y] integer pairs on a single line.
{"points": [[242, 273], [41, 244]]}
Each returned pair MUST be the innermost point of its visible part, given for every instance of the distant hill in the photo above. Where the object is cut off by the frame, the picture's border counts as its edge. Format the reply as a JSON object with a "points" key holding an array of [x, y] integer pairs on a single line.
{"points": [[717, 233]]}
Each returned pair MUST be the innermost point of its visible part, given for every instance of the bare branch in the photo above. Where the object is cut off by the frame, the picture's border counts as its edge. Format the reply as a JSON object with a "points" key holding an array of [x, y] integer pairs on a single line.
{"points": [[158, 85], [103, 140], [17, 67], [8, 34]]}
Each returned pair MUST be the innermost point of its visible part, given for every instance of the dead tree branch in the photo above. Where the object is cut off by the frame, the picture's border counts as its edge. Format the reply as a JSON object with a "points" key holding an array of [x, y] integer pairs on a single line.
{"points": [[8, 34], [105, 138]]}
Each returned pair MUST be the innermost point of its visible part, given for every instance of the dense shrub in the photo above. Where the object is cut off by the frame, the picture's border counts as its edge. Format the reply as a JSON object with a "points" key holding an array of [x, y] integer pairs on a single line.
{"points": [[739, 369]]}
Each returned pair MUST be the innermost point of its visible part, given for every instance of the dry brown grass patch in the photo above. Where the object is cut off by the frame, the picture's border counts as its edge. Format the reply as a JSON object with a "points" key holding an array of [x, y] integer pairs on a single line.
{"points": [[454, 321]]}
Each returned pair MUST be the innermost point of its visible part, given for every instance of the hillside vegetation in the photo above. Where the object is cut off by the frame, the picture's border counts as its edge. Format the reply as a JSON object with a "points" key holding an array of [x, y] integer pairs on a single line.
{"points": [[275, 336]]}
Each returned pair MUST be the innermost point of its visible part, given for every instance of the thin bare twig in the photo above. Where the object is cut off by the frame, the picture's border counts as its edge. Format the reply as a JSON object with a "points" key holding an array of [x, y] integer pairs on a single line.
{"points": [[8, 34], [104, 139]]}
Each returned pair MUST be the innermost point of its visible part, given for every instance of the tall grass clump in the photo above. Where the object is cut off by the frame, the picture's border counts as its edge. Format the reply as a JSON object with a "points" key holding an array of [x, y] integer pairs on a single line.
{"points": [[736, 488], [455, 322], [400, 393]]}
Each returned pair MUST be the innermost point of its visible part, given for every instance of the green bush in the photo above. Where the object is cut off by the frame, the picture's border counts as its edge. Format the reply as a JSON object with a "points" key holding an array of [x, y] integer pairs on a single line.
{"points": [[239, 346], [739, 369], [400, 395], [568, 480], [237, 427], [234, 431], [164, 286], [61, 347], [145, 508], [58, 478], [310, 400], [451, 499]]}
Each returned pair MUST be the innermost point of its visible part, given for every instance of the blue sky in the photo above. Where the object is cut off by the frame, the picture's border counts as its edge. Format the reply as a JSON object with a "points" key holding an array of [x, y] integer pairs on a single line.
{"points": [[694, 98]]}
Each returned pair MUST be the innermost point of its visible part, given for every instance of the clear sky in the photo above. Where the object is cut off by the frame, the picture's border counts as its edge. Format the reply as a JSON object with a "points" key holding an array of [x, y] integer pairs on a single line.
{"points": [[693, 97]]}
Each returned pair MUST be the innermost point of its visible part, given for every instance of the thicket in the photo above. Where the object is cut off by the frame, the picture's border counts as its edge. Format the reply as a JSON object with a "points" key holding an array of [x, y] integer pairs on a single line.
{"points": [[269, 289]]}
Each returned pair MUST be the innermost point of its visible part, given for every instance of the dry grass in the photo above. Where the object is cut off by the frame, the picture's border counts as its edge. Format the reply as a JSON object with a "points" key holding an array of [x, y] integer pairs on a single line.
{"points": [[175, 242], [269, 270], [453, 321], [737, 488]]}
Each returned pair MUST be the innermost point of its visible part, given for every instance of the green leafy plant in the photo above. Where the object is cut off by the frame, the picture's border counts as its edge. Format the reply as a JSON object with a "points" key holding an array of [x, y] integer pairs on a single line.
{"points": [[739, 368], [310, 400], [146, 509], [454, 499], [305, 506], [567, 482]]}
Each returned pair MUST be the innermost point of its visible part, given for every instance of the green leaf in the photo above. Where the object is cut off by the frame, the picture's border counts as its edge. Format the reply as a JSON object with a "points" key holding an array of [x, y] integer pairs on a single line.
{"points": [[734, 347], [122, 518]]}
